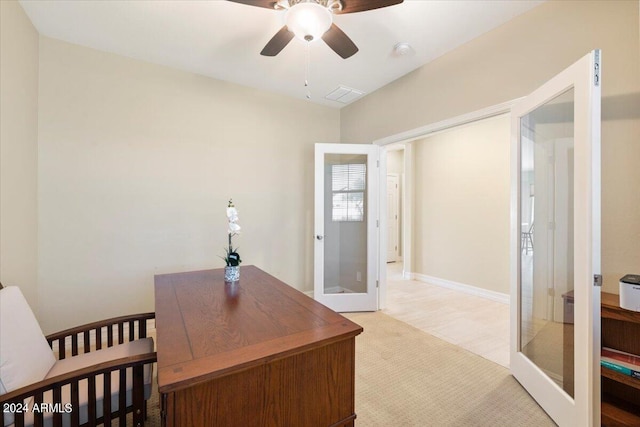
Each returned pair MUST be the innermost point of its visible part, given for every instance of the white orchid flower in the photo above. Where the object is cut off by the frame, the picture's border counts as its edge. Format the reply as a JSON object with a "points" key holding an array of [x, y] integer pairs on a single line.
{"points": [[232, 214], [232, 259]]}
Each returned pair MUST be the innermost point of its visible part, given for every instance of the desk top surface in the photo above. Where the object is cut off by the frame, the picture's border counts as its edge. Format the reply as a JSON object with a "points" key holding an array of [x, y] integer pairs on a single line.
{"points": [[207, 328]]}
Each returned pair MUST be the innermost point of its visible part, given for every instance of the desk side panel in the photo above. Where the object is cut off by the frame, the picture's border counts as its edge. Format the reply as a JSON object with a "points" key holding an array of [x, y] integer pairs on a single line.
{"points": [[314, 388]]}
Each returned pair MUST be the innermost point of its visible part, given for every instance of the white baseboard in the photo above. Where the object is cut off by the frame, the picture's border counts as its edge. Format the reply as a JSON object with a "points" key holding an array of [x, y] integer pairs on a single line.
{"points": [[333, 290], [468, 289]]}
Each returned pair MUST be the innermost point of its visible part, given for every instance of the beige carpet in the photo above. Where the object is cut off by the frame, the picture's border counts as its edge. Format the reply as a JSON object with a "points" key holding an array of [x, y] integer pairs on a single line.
{"points": [[405, 377]]}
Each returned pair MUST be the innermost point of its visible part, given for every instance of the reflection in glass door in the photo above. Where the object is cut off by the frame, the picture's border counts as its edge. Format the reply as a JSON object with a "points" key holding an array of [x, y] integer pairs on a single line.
{"points": [[345, 223], [546, 207]]}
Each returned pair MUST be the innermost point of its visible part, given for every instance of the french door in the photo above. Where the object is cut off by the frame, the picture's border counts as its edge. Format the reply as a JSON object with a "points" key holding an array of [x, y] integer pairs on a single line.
{"points": [[555, 244], [346, 226]]}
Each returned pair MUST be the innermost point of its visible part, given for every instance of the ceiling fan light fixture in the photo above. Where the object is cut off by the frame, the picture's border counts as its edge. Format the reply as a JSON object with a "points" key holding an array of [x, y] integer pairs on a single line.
{"points": [[308, 20]]}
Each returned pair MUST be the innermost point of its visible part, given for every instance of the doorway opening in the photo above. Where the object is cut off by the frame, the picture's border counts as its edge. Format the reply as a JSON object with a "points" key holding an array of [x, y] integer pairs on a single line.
{"points": [[452, 276]]}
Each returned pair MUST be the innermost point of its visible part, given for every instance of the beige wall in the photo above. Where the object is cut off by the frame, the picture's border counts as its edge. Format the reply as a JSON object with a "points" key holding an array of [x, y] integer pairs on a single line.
{"points": [[18, 151], [461, 223], [395, 161], [510, 62], [137, 162]]}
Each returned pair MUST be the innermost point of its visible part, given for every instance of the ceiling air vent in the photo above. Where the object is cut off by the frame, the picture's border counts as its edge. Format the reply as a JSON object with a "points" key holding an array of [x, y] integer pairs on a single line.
{"points": [[344, 94]]}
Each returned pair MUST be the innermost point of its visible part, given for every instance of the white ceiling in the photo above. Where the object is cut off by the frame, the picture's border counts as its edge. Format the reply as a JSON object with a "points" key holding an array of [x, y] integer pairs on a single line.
{"points": [[223, 40]]}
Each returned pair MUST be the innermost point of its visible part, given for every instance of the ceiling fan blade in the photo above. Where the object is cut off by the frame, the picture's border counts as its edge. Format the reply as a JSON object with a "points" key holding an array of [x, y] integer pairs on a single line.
{"points": [[339, 42], [277, 42], [269, 4], [352, 6]]}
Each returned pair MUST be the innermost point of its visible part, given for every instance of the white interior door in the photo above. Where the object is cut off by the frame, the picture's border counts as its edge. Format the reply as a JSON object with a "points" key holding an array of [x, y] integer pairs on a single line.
{"points": [[555, 244], [393, 219], [346, 226]]}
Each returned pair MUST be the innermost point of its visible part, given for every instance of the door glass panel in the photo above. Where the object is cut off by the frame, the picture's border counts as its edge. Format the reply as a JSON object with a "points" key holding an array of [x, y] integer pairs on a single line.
{"points": [[546, 243], [345, 223]]}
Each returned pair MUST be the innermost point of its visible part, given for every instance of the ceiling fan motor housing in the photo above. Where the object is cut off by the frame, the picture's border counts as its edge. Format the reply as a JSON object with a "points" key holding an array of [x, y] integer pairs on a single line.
{"points": [[308, 20]]}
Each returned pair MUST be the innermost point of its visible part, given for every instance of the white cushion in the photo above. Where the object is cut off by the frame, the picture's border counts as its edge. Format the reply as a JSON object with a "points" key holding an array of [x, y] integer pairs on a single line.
{"points": [[25, 355], [141, 346]]}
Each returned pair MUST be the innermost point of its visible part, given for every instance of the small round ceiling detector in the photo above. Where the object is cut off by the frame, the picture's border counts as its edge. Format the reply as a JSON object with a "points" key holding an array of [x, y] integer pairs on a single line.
{"points": [[402, 49]]}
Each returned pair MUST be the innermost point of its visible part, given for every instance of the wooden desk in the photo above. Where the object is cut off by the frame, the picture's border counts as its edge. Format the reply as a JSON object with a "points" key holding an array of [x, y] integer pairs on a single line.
{"points": [[257, 354]]}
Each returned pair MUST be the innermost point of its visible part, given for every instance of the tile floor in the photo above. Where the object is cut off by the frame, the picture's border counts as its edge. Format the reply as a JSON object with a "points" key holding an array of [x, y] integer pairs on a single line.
{"points": [[471, 322]]}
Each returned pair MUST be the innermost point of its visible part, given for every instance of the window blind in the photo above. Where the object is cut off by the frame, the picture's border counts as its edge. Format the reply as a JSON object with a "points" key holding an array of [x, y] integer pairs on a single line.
{"points": [[348, 186]]}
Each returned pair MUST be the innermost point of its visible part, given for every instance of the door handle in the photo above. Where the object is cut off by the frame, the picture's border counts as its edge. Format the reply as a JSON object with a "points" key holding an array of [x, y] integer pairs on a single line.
{"points": [[319, 237]]}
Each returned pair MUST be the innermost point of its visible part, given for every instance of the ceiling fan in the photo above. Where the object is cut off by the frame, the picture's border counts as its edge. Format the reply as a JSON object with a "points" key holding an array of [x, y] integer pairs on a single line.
{"points": [[310, 20]]}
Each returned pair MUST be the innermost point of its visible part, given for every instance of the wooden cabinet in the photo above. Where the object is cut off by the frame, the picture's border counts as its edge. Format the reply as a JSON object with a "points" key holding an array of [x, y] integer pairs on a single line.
{"points": [[620, 393], [257, 353]]}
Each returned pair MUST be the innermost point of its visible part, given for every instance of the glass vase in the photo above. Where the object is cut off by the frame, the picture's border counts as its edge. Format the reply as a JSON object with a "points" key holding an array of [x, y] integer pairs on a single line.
{"points": [[232, 273]]}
